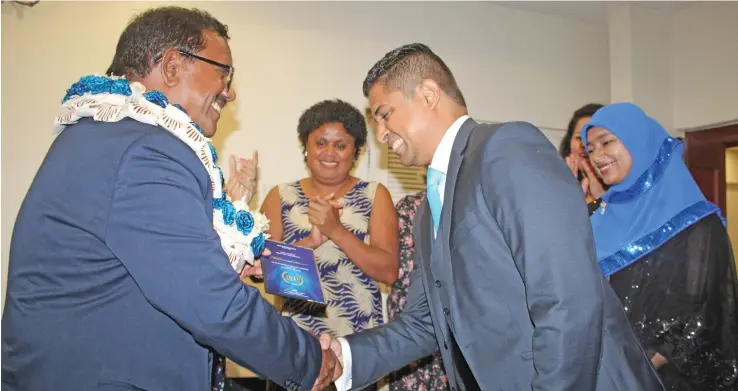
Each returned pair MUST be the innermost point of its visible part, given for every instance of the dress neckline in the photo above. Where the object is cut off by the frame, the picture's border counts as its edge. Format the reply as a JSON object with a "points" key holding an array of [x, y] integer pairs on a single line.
{"points": [[350, 191]]}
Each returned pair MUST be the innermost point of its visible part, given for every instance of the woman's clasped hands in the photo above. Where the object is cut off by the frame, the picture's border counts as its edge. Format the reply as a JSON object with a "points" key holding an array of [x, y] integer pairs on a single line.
{"points": [[324, 213]]}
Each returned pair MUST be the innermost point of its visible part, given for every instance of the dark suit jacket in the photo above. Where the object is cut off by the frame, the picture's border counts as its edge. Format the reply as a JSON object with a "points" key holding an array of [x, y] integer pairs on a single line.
{"points": [[117, 279], [513, 274]]}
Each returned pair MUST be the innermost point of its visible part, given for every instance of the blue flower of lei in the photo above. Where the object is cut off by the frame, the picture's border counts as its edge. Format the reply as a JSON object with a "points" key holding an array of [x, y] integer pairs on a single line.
{"points": [[229, 213], [244, 222], [157, 98], [121, 87], [97, 85], [257, 245], [219, 202]]}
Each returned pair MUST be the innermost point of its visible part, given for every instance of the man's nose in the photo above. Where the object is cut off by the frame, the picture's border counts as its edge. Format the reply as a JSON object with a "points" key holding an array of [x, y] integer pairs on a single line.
{"points": [[382, 133], [229, 94]]}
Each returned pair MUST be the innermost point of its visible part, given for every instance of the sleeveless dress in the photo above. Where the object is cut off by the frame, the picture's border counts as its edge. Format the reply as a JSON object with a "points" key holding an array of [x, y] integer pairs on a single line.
{"points": [[353, 299]]}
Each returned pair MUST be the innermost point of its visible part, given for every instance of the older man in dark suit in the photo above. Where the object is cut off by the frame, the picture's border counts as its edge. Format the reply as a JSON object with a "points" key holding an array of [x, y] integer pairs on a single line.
{"points": [[117, 277], [513, 302]]}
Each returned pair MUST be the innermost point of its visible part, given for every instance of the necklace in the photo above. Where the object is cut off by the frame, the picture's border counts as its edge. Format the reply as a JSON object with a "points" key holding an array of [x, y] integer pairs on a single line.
{"points": [[110, 99]]}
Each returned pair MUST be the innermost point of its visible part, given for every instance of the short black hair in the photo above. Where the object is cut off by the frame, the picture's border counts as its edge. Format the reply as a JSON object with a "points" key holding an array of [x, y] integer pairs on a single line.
{"points": [[152, 32], [585, 111], [329, 111], [405, 67]]}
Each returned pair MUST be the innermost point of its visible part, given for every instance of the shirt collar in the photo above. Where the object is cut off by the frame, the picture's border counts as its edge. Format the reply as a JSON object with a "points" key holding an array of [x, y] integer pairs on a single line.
{"points": [[443, 152]]}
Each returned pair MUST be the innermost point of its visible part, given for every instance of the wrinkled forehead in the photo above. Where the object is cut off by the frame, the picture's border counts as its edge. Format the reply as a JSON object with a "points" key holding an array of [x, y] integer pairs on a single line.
{"points": [[382, 98], [216, 48], [377, 95]]}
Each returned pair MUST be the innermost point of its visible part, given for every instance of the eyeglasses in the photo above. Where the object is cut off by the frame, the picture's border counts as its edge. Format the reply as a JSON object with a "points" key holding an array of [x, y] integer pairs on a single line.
{"points": [[227, 68]]}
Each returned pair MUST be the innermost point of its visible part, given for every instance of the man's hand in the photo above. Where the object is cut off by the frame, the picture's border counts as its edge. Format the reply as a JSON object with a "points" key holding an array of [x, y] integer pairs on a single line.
{"points": [[252, 270], [255, 269], [328, 342], [330, 369]]}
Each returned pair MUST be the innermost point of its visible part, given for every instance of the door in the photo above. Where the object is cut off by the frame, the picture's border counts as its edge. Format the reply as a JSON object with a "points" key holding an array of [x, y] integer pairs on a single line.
{"points": [[705, 158]]}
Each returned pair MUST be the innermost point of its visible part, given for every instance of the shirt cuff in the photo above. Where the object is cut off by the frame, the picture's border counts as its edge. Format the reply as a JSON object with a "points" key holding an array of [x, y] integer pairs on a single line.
{"points": [[343, 383]]}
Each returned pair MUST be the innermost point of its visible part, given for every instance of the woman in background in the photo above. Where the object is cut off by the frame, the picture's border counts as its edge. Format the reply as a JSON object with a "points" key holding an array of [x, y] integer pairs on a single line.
{"points": [[426, 374], [572, 150], [351, 224], [666, 251]]}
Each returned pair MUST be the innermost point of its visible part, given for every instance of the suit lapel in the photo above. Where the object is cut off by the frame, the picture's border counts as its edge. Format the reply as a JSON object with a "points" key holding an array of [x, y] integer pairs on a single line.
{"points": [[441, 256], [422, 233], [454, 163]]}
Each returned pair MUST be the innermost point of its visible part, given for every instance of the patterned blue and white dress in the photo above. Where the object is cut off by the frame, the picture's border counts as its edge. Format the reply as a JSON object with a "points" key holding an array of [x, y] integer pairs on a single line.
{"points": [[354, 302]]}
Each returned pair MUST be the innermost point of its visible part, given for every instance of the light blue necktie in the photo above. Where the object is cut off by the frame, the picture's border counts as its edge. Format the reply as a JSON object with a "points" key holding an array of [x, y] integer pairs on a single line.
{"points": [[432, 182]]}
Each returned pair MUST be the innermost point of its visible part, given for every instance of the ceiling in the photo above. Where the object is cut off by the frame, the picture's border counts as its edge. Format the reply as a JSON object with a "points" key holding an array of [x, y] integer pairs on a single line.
{"points": [[588, 11]]}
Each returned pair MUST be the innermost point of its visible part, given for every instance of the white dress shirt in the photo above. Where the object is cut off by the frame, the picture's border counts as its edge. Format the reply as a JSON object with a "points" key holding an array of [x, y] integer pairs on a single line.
{"points": [[443, 152], [441, 158]]}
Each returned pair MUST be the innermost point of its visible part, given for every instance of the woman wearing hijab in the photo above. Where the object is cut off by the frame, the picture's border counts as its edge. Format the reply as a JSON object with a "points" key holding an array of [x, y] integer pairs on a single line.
{"points": [[665, 249]]}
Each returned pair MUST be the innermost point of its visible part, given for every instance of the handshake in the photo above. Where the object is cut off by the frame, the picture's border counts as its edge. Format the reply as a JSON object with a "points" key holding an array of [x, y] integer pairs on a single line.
{"points": [[332, 365]]}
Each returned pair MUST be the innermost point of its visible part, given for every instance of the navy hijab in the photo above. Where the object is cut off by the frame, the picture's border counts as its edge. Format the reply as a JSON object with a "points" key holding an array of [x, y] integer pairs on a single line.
{"points": [[656, 200]]}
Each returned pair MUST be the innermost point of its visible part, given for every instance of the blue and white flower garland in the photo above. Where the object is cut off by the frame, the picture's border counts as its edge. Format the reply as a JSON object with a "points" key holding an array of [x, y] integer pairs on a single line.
{"points": [[110, 99]]}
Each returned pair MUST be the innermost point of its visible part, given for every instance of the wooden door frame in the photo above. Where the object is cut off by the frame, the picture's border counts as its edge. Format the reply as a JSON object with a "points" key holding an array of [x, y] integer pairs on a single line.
{"points": [[705, 150]]}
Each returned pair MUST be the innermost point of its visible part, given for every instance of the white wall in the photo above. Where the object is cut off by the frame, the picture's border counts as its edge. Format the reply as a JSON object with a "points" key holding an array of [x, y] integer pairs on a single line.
{"points": [[511, 65], [681, 67], [652, 60], [705, 64]]}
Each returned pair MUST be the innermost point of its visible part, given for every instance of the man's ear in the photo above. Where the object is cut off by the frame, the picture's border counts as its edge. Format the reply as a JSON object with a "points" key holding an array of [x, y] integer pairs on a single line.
{"points": [[171, 68], [430, 91]]}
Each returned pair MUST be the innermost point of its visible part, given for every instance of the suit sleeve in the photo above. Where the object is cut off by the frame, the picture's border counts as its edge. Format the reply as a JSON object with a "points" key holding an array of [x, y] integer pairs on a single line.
{"points": [[540, 208], [409, 337], [159, 228]]}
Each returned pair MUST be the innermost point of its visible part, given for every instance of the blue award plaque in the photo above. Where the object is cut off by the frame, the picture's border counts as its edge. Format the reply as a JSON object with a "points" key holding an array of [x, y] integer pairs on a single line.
{"points": [[291, 271]]}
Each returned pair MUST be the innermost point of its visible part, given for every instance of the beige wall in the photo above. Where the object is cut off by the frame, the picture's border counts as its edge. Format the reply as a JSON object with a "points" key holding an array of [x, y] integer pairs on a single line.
{"points": [[704, 52], [679, 66], [511, 65]]}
